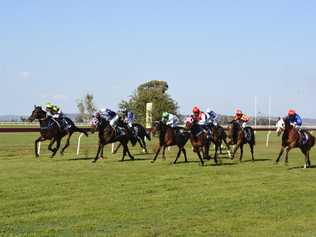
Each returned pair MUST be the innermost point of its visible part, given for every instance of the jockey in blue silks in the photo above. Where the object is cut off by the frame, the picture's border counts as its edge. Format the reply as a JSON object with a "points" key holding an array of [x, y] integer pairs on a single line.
{"points": [[110, 116], [294, 118], [211, 117]]}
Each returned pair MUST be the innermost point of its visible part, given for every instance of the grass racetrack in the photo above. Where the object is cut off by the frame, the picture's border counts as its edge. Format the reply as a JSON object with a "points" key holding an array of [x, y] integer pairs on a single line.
{"points": [[70, 196]]}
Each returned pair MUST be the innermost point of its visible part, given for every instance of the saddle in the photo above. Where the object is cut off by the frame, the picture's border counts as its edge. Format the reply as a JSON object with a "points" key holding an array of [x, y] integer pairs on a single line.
{"points": [[247, 134], [304, 137], [119, 131]]}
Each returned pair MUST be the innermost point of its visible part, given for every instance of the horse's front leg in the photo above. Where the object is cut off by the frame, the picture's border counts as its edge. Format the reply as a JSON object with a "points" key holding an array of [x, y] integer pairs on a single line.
{"points": [[57, 147], [164, 152], [157, 153], [100, 148], [280, 154], [51, 144], [241, 152], [235, 149]]}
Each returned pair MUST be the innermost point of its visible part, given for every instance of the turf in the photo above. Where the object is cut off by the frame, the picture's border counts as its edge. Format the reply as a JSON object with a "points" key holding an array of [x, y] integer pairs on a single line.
{"points": [[70, 196]]}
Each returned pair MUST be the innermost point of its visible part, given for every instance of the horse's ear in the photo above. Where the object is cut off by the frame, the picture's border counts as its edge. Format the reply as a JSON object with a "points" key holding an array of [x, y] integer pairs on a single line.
{"points": [[34, 106]]}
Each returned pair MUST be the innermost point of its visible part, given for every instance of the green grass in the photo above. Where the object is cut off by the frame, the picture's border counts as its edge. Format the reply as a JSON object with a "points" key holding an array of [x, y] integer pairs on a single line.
{"points": [[70, 196]]}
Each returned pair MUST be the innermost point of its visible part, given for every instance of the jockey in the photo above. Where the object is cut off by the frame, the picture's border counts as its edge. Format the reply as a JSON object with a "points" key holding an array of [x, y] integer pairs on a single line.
{"points": [[108, 115], [241, 118], [55, 112], [199, 116], [169, 119], [211, 117], [294, 118], [128, 117]]}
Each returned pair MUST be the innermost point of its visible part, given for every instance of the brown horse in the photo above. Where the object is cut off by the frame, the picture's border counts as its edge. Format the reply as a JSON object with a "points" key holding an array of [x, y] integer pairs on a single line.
{"points": [[169, 136], [293, 138], [200, 140], [218, 137], [51, 130], [107, 134], [238, 138]]}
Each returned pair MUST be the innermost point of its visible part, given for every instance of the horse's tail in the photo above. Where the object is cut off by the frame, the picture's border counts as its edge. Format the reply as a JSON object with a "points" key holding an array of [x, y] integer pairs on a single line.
{"points": [[81, 130], [253, 136], [143, 131]]}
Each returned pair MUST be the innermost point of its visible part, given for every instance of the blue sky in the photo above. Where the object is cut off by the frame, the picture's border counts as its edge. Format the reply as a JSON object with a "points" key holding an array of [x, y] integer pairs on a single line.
{"points": [[218, 54]]}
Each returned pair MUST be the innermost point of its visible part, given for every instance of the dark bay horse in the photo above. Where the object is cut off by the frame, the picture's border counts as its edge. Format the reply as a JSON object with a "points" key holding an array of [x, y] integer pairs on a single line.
{"points": [[218, 137], [107, 134], [238, 138], [169, 136], [140, 133], [51, 130], [293, 138], [199, 139]]}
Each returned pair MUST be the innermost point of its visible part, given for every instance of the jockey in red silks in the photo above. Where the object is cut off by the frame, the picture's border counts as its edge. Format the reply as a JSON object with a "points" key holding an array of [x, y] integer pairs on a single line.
{"points": [[199, 116], [241, 118]]}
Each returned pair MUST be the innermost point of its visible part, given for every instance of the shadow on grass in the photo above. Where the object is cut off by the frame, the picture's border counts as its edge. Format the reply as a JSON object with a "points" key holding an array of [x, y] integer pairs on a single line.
{"points": [[301, 167], [256, 160]]}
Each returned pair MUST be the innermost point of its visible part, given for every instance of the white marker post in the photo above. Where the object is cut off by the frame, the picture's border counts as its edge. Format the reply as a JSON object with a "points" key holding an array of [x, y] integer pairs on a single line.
{"points": [[78, 146], [113, 148], [269, 114], [39, 148]]}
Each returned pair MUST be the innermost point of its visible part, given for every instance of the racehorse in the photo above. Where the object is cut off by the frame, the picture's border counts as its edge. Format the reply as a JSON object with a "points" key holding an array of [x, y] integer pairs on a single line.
{"points": [[199, 139], [218, 137], [169, 136], [107, 134], [238, 137], [140, 133], [51, 130], [294, 138]]}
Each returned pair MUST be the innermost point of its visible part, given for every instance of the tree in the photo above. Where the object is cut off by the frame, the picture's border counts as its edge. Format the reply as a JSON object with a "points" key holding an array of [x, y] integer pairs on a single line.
{"points": [[152, 91], [86, 108]]}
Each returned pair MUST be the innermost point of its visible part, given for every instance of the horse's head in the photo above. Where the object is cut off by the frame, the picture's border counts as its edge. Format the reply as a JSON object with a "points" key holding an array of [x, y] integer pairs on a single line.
{"points": [[93, 124], [280, 125], [37, 113], [188, 121], [156, 127], [232, 131]]}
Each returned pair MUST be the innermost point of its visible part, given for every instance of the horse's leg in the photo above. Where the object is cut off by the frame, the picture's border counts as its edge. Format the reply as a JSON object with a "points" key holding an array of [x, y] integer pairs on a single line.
{"points": [[280, 154], [179, 152], [185, 154], [100, 148], [164, 152], [57, 147], [116, 149], [235, 149], [252, 151], [51, 144], [157, 153], [216, 150], [228, 148], [67, 143], [200, 157], [292, 145], [124, 152], [241, 151], [308, 159], [128, 153], [144, 145], [36, 145]]}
